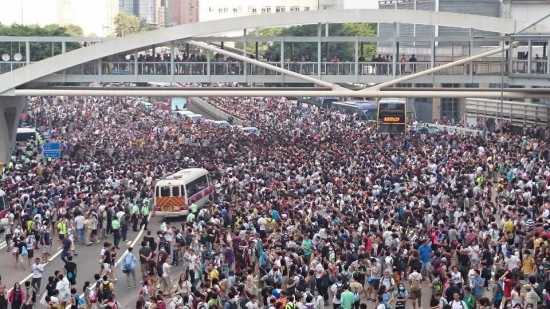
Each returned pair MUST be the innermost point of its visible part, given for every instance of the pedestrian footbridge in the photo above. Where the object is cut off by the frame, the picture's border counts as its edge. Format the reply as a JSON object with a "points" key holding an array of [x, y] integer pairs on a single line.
{"points": [[494, 51], [188, 53]]}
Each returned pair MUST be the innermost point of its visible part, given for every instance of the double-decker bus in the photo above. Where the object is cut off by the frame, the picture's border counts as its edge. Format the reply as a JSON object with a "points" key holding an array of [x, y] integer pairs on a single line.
{"points": [[366, 110], [392, 115], [177, 192]]}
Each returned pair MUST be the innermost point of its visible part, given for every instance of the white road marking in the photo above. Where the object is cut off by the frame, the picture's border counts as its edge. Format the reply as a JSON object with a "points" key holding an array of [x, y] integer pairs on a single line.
{"points": [[130, 243]]}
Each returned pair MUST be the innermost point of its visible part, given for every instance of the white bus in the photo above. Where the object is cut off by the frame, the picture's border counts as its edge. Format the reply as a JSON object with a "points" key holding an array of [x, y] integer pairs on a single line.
{"points": [[177, 192]]}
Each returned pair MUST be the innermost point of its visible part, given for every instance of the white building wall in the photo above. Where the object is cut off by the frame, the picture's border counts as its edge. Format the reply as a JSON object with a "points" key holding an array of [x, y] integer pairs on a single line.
{"points": [[216, 9], [360, 4], [529, 11]]}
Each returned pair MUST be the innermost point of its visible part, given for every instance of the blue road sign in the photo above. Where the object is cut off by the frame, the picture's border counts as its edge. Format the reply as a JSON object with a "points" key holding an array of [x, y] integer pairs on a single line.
{"points": [[51, 150]]}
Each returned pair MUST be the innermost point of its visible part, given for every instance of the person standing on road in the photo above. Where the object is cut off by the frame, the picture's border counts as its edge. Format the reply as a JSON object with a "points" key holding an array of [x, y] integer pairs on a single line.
{"points": [[347, 299], [80, 228], [144, 215], [37, 270], [8, 229], [144, 256], [128, 264], [30, 296], [62, 227], [46, 243], [135, 217], [124, 222], [115, 228], [66, 245], [70, 271]]}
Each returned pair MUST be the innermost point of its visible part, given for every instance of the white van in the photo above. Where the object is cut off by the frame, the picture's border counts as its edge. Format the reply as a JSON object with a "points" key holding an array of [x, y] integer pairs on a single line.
{"points": [[181, 114], [251, 130], [194, 118], [221, 123]]}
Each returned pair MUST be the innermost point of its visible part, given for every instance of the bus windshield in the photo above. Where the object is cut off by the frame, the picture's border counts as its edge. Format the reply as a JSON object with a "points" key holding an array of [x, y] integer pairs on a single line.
{"points": [[25, 137]]}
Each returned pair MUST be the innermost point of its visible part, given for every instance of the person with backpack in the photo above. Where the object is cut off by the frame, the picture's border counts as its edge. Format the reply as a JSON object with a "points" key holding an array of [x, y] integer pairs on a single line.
{"points": [[415, 278], [457, 303], [347, 298], [30, 296], [128, 264], [105, 289], [336, 290], [309, 302]]}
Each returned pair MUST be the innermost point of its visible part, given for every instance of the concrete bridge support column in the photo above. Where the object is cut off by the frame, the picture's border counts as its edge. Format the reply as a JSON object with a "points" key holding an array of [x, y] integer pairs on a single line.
{"points": [[10, 114]]}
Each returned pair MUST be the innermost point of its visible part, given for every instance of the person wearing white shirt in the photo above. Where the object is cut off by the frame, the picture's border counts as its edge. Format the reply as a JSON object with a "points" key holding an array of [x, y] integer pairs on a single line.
{"points": [[457, 303], [512, 261], [79, 223], [37, 270], [166, 277]]}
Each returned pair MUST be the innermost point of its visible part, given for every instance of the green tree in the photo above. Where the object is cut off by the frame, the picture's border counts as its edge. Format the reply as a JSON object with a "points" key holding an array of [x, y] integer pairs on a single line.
{"points": [[38, 50], [126, 25], [345, 51], [148, 28]]}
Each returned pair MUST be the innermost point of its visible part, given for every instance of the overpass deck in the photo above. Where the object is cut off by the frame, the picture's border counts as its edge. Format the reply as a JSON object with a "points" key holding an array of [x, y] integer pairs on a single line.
{"points": [[336, 72], [140, 66]]}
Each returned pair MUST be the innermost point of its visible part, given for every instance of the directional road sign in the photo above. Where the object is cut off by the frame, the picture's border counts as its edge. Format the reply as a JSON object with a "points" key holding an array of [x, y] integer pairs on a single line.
{"points": [[51, 150]]}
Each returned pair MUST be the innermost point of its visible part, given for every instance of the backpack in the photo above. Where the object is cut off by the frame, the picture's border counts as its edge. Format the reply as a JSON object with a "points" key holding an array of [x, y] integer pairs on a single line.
{"points": [[56, 306], [310, 306], [415, 283], [339, 291], [438, 287], [233, 305], [79, 301], [163, 243], [33, 295], [105, 290], [161, 304], [356, 296]]}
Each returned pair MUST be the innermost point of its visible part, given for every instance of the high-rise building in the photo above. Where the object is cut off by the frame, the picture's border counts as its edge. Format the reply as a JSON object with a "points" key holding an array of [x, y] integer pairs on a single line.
{"points": [[129, 7], [185, 11], [147, 11]]}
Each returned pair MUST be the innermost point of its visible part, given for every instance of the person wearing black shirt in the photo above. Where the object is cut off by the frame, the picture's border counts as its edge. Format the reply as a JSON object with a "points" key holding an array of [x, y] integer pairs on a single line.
{"points": [[144, 256], [152, 271], [70, 270]]}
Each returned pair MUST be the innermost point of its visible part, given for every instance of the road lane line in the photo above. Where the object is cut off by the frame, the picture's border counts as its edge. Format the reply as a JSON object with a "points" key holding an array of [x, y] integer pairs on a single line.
{"points": [[30, 276], [131, 244]]}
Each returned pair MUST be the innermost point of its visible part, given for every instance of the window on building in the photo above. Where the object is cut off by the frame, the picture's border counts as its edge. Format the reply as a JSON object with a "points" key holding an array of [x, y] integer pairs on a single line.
{"points": [[266, 9], [225, 10], [235, 10], [450, 109], [423, 85], [404, 85], [251, 10], [294, 8], [210, 9], [220, 10], [306, 8], [470, 85], [280, 9]]}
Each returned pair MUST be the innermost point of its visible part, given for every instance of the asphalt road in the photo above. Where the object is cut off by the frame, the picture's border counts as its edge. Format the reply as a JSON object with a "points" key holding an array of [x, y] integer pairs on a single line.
{"points": [[87, 266]]}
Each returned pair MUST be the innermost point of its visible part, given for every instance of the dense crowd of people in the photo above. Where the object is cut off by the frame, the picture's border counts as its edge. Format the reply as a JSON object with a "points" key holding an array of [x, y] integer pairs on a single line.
{"points": [[316, 210]]}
